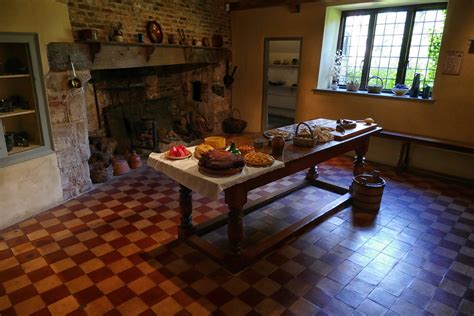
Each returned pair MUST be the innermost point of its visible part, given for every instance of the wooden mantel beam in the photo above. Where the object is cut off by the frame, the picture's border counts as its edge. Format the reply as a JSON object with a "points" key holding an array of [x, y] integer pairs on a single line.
{"points": [[293, 5]]}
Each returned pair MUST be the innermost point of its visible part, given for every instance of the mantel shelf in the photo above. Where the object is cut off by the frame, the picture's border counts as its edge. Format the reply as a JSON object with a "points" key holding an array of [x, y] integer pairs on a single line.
{"points": [[96, 46]]}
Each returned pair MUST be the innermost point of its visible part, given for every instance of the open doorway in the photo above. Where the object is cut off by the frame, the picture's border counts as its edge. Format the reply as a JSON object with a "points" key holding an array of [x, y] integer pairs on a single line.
{"points": [[280, 88]]}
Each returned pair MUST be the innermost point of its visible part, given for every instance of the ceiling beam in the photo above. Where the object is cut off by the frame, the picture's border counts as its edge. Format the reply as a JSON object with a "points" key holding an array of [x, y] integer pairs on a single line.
{"points": [[293, 5]]}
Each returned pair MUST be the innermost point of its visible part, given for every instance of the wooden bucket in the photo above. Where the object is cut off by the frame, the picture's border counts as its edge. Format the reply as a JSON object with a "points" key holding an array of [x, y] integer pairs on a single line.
{"points": [[367, 191]]}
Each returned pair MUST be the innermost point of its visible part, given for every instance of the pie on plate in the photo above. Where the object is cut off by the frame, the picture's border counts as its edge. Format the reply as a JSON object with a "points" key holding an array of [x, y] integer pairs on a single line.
{"points": [[258, 159], [278, 132]]}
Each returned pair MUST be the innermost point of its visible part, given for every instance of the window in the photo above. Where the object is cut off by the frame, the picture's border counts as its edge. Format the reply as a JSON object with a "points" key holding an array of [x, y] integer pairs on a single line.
{"points": [[391, 43]]}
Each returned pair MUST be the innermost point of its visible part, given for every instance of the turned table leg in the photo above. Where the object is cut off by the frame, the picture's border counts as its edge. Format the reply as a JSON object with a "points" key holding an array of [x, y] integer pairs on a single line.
{"points": [[186, 227], [359, 159], [312, 173], [235, 200]]}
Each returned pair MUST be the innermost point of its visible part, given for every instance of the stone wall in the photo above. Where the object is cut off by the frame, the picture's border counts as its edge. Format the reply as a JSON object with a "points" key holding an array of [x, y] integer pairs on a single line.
{"points": [[199, 18], [68, 114]]}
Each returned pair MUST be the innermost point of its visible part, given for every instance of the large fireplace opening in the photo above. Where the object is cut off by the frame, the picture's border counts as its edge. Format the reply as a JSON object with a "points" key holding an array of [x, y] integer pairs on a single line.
{"points": [[149, 109]]}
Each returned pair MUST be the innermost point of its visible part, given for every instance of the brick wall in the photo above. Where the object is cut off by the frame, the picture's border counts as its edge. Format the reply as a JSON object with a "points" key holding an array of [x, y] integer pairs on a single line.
{"points": [[199, 18]]}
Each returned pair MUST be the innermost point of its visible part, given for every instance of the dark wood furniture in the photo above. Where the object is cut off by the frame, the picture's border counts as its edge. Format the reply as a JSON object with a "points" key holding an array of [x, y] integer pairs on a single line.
{"points": [[408, 139], [296, 159]]}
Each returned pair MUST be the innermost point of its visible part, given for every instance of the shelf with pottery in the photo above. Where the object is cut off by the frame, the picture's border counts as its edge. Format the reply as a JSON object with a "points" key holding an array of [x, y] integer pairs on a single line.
{"points": [[23, 109]]}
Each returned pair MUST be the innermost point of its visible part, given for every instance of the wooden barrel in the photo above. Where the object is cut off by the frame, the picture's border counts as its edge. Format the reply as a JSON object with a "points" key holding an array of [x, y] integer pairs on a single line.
{"points": [[367, 191]]}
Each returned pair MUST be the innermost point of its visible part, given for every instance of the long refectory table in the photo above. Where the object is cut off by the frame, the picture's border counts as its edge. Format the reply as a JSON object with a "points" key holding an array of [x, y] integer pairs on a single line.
{"points": [[294, 159]]}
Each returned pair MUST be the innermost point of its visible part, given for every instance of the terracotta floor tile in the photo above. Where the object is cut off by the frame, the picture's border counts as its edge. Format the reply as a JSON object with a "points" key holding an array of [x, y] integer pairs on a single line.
{"points": [[134, 306], [79, 284], [110, 284], [8, 263], [29, 306], [91, 265], [143, 284], [47, 284], [64, 306], [62, 265], [235, 308], [102, 250], [16, 283], [4, 302], [75, 249], [98, 307]]}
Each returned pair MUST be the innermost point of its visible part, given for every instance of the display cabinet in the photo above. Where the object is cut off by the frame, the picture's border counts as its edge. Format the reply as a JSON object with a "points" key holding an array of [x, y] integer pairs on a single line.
{"points": [[24, 124]]}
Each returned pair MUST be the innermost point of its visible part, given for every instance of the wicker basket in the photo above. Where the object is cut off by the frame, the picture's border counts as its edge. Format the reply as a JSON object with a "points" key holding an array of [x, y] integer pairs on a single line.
{"points": [[375, 88], [232, 125], [304, 141], [99, 173]]}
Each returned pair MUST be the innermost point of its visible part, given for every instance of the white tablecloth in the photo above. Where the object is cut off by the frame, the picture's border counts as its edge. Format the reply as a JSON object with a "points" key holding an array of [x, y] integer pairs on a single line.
{"points": [[186, 173]]}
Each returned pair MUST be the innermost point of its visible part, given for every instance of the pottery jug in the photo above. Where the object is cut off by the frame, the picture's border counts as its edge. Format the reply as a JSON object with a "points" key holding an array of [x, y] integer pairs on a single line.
{"points": [[120, 166], [134, 160]]}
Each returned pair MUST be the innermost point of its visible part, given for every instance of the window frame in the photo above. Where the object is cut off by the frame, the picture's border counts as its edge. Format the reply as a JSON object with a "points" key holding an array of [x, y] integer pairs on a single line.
{"points": [[407, 37]]}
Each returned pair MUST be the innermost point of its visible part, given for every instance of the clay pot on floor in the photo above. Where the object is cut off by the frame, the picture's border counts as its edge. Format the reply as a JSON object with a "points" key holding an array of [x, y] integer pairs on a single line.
{"points": [[134, 161], [120, 166]]}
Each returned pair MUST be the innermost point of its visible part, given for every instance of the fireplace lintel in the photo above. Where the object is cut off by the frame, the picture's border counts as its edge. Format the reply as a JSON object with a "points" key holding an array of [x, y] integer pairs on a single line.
{"points": [[112, 55]]}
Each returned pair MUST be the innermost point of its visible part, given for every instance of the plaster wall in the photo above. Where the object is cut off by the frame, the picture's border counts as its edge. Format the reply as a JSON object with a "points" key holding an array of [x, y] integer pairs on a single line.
{"points": [[449, 116], [29, 187]]}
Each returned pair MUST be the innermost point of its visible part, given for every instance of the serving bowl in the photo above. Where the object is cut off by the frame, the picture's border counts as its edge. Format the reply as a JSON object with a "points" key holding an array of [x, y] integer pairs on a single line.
{"points": [[400, 91]]}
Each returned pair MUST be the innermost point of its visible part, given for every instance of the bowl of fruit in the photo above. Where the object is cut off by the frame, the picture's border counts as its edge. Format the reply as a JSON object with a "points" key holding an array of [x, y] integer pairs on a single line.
{"points": [[178, 152], [400, 89]]}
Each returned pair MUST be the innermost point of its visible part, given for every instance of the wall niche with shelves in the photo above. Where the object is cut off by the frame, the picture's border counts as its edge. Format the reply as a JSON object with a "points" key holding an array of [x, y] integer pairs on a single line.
{"points": [[24, 125]]}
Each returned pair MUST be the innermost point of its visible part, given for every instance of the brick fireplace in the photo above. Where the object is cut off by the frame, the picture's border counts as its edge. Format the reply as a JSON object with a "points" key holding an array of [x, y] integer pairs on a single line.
{"points": [[166, 76]]}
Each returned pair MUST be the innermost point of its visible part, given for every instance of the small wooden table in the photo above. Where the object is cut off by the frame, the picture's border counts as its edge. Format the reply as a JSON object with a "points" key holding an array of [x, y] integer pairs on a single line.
{"points": [[296, 159]]}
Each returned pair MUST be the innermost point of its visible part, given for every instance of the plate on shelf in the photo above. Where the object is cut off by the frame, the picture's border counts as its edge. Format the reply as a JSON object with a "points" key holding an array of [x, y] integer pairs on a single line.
{"points": [[154, 32]]}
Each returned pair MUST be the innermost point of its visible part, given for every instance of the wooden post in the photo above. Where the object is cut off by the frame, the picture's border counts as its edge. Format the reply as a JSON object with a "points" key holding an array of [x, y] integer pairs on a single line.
{"points": [[312, 173], [235, 199], [359, 160], [186, 227]]}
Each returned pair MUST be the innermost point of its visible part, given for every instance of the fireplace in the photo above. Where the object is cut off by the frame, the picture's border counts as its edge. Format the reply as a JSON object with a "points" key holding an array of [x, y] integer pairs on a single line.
{"points": [[149, 109]]}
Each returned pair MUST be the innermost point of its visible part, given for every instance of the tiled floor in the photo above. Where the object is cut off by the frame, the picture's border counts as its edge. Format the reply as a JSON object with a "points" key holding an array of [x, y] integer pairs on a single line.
{"points": [[113, 251]]}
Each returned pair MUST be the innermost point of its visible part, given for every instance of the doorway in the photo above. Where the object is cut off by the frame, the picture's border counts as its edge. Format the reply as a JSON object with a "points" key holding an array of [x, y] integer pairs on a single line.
{"points": [[280, 87]]}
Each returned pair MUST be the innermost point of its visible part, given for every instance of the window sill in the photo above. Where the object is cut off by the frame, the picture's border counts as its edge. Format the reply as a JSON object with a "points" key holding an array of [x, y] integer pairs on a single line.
{"points": [[373, 95]]}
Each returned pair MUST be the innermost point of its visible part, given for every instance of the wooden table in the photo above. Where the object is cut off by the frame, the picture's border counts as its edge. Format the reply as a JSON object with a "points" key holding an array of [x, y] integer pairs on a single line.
{"points": [[296, 159]]}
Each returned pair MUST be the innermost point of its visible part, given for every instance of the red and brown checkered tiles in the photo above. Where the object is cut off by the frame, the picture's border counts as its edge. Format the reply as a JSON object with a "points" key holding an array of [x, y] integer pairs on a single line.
{"points": [[114, 251]]}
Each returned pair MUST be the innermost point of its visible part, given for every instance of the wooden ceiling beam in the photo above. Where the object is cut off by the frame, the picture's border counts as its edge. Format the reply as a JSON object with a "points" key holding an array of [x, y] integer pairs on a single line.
{"points": [[293, 5]]}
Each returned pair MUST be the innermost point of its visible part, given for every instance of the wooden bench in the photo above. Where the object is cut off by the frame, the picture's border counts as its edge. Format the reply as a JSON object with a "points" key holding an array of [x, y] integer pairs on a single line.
{"points": [[408, 139]]}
